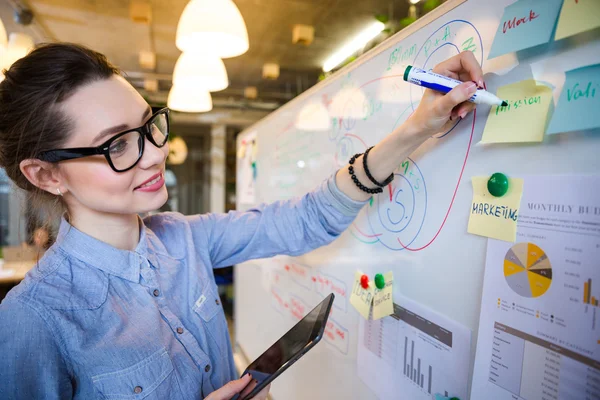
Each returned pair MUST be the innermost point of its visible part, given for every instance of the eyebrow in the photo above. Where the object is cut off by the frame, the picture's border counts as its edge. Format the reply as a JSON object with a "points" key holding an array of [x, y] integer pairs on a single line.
{"points": [[119, 128]]}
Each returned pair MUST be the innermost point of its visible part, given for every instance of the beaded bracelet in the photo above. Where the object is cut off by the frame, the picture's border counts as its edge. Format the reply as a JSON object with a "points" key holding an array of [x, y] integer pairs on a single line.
{"points": [[385, 183], [357, 182]]}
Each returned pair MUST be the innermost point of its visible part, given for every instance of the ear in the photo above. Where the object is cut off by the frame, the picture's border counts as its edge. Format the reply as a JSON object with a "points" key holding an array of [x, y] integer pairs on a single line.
{"points": [[42, 174]]}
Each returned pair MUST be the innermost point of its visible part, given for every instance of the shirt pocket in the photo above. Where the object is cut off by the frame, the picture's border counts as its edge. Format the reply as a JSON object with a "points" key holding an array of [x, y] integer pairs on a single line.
{"points": [[151, 378], [208, 307]]}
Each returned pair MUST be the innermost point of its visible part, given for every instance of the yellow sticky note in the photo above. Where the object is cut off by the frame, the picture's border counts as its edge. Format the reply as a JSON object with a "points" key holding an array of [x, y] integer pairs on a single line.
{"points": [[577, 16], [361, 298], [495, 217], [524, 119], [383, 304]]}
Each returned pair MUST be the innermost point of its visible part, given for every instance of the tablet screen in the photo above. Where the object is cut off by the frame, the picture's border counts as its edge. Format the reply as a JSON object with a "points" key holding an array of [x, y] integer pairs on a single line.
{"points": [[307, 330]]}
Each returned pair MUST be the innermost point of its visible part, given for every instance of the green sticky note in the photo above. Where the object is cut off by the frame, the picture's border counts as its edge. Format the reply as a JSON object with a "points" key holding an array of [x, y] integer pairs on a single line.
{"points": [[579, 102], [524, 24]]}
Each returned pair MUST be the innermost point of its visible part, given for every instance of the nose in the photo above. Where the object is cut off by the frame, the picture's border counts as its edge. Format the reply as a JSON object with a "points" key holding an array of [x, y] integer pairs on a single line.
{"points": [[153, 155]]}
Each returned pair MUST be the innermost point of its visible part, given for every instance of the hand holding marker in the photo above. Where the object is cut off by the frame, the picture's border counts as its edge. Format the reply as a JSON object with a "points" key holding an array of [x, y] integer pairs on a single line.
{"points": [[443, 84]]}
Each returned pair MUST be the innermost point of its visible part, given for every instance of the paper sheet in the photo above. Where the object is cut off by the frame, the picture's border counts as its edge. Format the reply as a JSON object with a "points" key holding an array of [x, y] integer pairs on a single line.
{"points": [[579, 101], [539, 327], [525, 117], [495, 217], [524, 24], [383, 303], [414, 354], [577, 16], [361, 299]]}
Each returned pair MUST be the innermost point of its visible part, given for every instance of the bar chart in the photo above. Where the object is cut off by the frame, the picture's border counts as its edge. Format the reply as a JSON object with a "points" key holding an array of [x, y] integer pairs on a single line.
{"points": [[587, 294], [413, 354]]}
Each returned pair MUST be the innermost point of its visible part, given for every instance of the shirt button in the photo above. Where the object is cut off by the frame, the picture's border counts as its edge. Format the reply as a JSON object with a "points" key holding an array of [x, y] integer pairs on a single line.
{"points": [[217, 302], [207, 368], [180, 330], [137, 390], [156, 292]]}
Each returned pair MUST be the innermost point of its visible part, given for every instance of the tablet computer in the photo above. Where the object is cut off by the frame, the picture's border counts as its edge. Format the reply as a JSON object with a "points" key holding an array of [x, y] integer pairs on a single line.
{"points": [[287, 350]]}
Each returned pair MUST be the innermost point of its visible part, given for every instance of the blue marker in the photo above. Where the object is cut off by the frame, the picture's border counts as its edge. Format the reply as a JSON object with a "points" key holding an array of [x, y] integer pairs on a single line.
{"points": [[443, 84]]}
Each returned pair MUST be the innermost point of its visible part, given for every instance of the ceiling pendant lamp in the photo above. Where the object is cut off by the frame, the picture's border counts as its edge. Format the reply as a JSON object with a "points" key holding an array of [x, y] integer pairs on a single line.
{"points": [[189, 99], [213, 26], [200, 69]]}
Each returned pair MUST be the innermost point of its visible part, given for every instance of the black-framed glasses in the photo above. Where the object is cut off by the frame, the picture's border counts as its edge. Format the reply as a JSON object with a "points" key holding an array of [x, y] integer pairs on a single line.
{"points": [[124, 150]]}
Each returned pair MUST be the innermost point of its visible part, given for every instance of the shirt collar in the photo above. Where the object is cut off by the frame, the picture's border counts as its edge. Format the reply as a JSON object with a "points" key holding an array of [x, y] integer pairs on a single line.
{"points": [[122, 263]]}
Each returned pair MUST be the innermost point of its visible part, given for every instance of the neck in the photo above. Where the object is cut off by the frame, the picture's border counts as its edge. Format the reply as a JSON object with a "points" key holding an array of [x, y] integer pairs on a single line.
{"points": [[118, 230]]}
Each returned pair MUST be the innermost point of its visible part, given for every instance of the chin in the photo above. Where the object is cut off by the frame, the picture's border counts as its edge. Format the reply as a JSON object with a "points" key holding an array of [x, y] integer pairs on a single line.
{"points": [[153, 203]]}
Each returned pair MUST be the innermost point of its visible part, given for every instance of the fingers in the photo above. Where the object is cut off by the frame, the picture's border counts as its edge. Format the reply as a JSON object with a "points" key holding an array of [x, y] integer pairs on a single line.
{"points": [[446, 104], [460, 65], [463, 109], [230, 389]]}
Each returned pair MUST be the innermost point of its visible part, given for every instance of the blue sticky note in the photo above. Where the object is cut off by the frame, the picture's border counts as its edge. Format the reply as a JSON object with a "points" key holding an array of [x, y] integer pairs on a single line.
{"points": [[525, 23], [578, 106]]}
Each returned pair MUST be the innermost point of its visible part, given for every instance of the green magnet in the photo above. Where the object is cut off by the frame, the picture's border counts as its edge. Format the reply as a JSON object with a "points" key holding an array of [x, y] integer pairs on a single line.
{"points": [[379, 281], [455, 398], [498, 184]]}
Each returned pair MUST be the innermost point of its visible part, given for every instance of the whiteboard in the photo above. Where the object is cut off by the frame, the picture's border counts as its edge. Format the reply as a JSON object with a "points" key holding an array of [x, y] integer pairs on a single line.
{"points": [[435, 262]]}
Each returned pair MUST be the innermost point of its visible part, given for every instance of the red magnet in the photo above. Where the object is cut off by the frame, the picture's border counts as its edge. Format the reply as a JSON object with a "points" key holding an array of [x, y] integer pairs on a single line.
{"points": [[364, 281]]}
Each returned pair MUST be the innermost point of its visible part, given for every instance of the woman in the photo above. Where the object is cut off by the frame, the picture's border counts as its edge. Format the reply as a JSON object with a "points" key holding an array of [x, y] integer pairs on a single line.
{"points": [[121, 307]]}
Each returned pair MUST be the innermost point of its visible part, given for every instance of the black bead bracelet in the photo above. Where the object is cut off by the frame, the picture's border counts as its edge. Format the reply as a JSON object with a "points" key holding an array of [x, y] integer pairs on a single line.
{"points": [[355, 179], [366, 168]]}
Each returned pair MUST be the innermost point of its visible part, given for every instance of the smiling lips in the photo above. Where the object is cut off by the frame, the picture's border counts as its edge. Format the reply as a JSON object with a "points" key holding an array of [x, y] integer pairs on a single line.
{"points": [[152, 184]]}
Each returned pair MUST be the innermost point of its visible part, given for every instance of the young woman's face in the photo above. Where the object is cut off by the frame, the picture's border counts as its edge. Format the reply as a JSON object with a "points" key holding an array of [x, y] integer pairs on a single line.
{"points": [[99, 111]]}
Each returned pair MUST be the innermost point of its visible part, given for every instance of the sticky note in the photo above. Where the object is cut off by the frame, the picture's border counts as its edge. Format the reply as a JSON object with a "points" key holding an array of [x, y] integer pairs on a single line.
{"points": [[524, 24], [383, 304], [361, 298], [577, 16], [578, 106], [495, 217], [525, 117]]}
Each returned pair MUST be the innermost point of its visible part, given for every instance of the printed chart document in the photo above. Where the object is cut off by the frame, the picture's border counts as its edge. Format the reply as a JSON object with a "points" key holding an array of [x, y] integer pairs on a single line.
{"points": [[539, 330], [414, 354]]}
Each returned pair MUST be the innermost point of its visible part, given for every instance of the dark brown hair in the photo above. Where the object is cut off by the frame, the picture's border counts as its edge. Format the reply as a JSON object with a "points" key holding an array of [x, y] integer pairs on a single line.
{"points": [[30, 117]]}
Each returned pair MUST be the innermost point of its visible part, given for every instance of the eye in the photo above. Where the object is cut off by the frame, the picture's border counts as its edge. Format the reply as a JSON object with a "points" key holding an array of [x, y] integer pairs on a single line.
{"points": [[118, 147]]}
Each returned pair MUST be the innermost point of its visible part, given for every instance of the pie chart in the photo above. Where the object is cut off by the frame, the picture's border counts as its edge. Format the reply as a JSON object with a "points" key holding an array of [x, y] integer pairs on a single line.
{"points": [[527, 270]]}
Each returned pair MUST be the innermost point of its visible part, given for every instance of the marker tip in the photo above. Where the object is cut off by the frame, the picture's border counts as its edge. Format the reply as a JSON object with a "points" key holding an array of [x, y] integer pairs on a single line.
{"points": [[504, 103]]}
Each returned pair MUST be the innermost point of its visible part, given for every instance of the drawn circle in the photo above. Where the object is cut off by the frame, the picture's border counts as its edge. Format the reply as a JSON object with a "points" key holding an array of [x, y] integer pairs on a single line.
{"points": [[427, 62], [346, 147], [395, 215], [398, 218]]}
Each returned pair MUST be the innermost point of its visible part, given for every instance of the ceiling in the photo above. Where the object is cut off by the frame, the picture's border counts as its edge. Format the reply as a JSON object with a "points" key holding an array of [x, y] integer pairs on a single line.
{"points": [[105, 26]]}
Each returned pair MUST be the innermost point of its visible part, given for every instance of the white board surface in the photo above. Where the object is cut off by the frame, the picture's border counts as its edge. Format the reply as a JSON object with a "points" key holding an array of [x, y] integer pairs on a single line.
{"points": [[420, 230]]}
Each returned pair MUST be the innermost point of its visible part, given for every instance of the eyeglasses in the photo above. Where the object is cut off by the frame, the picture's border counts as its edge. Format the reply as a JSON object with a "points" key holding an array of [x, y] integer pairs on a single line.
{"points": [[124, 150]]}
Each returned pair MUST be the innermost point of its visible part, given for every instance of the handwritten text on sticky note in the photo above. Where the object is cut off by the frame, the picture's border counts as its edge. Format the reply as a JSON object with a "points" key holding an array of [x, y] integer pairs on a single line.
{"points": [[524, 24], [579, 101], [525, 117], [383, 304], [495, 217], [361, 298], [577, 16]]}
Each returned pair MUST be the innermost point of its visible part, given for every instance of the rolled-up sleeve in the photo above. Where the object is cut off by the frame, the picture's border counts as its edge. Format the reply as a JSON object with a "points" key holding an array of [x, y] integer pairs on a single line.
{"points": [[290, 227], [31, 365]]}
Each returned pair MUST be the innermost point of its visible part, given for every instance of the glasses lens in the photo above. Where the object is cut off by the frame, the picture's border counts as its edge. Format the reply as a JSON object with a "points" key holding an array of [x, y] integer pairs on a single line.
{"points": [[125, 150], [160, 128]]}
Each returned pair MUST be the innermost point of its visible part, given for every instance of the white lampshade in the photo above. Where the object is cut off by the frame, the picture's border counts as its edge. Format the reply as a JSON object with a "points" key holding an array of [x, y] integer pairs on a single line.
{"points": [[19, 44], [200, 69], [213, 26], [3, 38], [189, 99], [178, 151]]}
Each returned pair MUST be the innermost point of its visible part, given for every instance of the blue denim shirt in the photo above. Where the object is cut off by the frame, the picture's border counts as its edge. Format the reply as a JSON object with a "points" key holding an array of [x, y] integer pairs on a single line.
{"points": [[94, 322]]}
